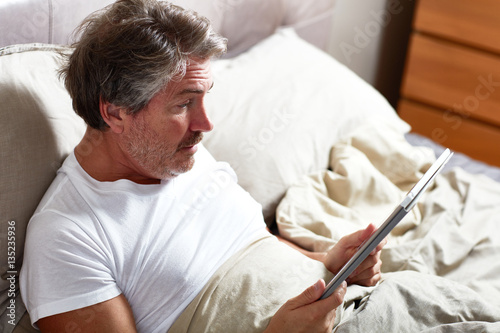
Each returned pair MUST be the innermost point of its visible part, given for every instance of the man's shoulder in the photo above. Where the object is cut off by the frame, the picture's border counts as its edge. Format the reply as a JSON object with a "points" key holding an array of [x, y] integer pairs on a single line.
{"points": [[61, 189], [61, 201]]}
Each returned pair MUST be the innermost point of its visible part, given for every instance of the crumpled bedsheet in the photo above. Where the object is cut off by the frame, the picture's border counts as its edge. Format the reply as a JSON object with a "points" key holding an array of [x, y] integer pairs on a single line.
{"points": [[442, 262], [409, 301]]}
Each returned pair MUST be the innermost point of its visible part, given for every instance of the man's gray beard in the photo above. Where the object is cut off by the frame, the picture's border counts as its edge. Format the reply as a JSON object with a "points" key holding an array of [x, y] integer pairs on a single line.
{"points": [[149, 152]]}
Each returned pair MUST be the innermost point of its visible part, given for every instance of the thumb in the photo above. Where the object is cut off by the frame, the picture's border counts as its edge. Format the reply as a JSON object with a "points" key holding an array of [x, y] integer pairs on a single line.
{"points": [[366, 233], [357, 238], [308, 296]]}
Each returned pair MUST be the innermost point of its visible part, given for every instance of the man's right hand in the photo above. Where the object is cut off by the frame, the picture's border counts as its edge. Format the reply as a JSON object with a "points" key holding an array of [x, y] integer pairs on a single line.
{"points": [[306, 313]]}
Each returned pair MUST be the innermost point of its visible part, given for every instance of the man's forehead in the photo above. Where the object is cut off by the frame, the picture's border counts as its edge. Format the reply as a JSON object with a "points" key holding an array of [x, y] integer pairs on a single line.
{"points": [[196, 79], [198, 70], [194, 90]]}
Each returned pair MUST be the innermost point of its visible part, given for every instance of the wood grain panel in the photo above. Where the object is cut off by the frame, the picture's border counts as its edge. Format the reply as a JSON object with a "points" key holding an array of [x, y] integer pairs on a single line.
{"points": [[477, 140], [453, 77], [473, 22]]}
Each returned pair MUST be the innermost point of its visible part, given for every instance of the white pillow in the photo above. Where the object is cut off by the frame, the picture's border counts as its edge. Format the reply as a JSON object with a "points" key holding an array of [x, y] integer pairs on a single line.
{"points": [[277, 110]]}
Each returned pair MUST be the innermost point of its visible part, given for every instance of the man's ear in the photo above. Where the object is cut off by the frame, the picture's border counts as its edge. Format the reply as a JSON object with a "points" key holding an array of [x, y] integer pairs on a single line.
{"points": [[112, 115]]}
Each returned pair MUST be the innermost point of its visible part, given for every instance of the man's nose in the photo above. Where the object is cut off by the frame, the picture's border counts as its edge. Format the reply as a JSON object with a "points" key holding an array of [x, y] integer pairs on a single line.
{"points": [[200, 122]]}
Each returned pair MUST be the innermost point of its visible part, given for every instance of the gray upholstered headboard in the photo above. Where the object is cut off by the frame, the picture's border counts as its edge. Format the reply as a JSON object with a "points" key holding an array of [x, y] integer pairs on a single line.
{"points": [[42, 21], [243, 22]]}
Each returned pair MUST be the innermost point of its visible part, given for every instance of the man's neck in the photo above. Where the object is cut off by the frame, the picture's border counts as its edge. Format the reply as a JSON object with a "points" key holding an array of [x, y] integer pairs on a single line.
{"points": [[102, 159]]}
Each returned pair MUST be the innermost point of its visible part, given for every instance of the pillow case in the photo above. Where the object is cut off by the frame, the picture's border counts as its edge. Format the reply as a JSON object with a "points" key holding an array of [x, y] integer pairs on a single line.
{"points": [[279, 107]]}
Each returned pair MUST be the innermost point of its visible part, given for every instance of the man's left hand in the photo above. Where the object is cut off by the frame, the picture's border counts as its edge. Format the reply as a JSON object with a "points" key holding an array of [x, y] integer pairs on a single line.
{"points": [[368, 272]]}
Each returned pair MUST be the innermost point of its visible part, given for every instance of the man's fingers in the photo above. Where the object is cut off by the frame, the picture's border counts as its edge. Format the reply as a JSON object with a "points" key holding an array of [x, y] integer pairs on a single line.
{"points": [[335, 299], [367, 232], [365, 273], [357, 238], [306, 313], [369, 263], [340, 293], [380, 246], [314, 292], [347, 247], [308, 296], [368, 273], [369, 282]]}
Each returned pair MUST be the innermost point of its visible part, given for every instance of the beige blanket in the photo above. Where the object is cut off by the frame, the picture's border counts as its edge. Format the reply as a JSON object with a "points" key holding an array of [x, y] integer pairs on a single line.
{"points": [[452, 238], [249, 288], [442, 263]]}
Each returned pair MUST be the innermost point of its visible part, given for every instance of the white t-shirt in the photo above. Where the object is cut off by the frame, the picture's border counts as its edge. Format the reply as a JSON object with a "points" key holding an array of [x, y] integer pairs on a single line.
{"points": [[91, 241]]}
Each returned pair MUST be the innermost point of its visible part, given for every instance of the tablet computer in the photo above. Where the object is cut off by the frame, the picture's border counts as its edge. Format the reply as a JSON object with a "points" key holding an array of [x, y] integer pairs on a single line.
{"points": [[397, 215]]}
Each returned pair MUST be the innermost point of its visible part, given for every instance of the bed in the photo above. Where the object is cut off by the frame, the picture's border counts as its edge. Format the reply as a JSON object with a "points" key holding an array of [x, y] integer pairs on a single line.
{"points": [[320, 149]]}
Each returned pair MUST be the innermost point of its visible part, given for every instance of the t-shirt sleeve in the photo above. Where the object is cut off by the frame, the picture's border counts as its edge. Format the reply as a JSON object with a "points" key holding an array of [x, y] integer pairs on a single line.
{"points": [[65, 267]]}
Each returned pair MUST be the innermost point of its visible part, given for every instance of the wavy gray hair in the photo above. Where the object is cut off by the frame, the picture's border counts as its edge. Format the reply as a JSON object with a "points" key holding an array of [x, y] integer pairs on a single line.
{"points": [[130, 50]]}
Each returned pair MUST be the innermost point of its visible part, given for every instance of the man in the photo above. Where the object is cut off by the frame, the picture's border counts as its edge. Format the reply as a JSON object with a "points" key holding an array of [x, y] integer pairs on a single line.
{"points": [[118, 244]]}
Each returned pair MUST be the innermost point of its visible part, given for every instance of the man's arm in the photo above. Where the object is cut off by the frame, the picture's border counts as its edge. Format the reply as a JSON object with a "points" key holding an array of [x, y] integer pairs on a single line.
{"points": [[114, 315], [369, 271], [313, 255]]}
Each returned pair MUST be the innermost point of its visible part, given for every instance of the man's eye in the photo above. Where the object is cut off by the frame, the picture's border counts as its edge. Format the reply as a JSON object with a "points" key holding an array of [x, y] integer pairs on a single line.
{"points": [[184, 105]]}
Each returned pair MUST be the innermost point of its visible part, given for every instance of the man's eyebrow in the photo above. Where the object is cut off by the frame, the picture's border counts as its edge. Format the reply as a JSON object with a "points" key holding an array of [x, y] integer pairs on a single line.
{"points": [[195, 91]]}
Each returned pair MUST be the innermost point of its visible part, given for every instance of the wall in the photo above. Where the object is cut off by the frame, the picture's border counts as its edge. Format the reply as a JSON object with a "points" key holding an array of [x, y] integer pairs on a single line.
{"points": [[371, 37]]}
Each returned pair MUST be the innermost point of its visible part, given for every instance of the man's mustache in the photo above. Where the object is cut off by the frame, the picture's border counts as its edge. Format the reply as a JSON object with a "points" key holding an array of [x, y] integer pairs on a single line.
{"points": [[193, 140]]}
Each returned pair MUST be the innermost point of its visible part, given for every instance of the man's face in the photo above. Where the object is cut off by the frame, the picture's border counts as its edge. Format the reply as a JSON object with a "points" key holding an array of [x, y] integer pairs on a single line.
{"points": [[162, 138]]}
